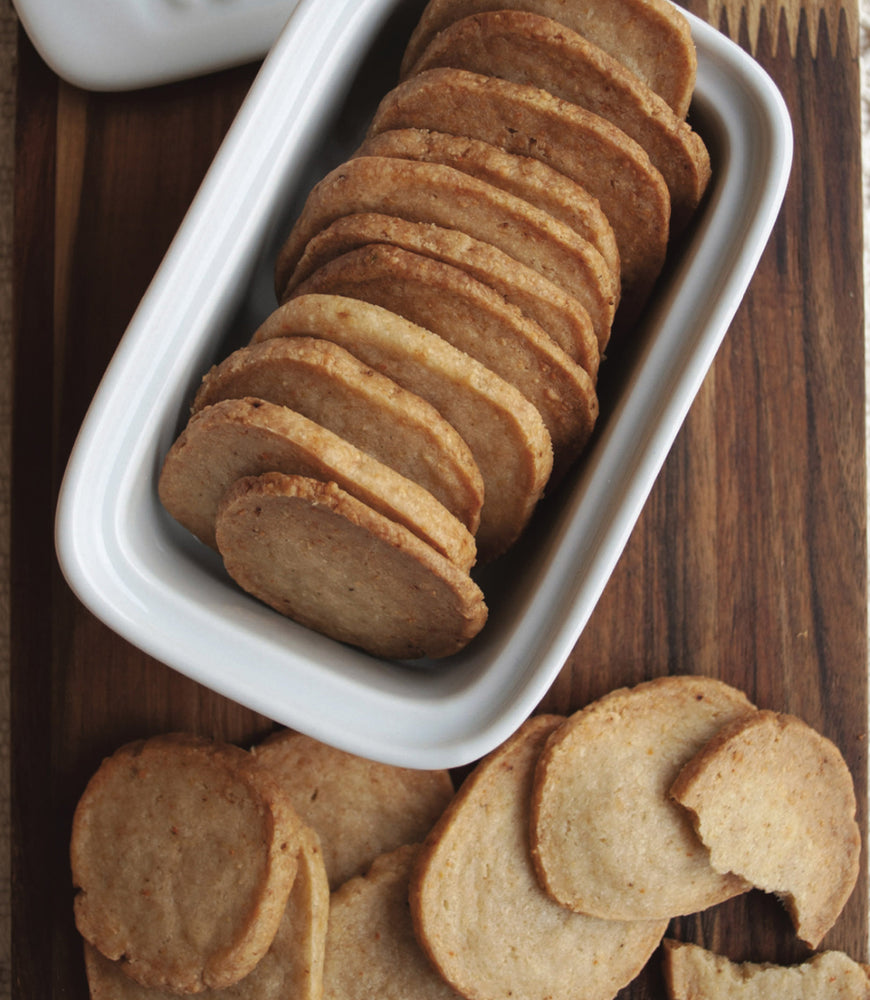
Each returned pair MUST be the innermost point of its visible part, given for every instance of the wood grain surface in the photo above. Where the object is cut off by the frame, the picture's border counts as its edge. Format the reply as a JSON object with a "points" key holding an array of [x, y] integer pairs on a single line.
{"points": [[748, 562]]}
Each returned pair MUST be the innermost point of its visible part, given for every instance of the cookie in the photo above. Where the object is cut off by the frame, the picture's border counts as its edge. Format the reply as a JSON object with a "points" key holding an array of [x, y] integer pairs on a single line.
{"points": [[177, 831], [773, 800], [531, 122], [529, 49], [476, 320], [431, 192], [562, 317], [693, 973], [524, 176], [481, 915], [293, 965], [328, 385], [245, 437], [606, 838], [371, 950], [650, 37], [318, 555], [360, 808], [506, 434]]}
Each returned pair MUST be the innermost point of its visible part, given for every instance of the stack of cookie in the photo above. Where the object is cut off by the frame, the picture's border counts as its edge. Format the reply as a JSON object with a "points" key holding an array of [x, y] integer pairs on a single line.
{"points": [[446, 298]]}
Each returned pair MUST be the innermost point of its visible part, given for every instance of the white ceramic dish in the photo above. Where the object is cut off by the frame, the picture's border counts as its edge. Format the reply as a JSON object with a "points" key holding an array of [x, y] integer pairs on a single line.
{"points": [[152, 583]]}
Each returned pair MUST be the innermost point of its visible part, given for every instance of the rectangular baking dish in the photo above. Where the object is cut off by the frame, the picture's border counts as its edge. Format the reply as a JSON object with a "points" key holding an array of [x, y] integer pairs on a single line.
{"points": [[146, 578]]}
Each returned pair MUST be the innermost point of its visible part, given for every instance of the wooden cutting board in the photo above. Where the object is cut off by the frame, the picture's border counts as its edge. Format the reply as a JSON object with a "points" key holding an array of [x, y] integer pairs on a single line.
{"points": [[748, 563]]}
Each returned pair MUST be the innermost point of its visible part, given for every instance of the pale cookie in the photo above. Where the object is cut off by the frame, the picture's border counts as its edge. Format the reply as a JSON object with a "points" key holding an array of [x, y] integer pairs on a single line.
{"points": [[773, 800], [431, 192], [606, 838], [475, 319], [531, 122], [325, 383], [523, 176], [179, 832], [562, 317], [650, 37], [371, 950], [292, 967], [480, 913], [360, 808], [693, 973], [505, 432], [316, 554], [246, 437], [530, 49]]}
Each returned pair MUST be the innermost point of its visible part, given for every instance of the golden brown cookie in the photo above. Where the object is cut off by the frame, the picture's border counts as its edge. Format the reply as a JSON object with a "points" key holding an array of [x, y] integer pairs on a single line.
{"points": [[693, 973], [180, 832], [531, 122], [245, 437], [505, 432], [773, 801], [650, 37], [328, 385], [315, 553], [529, 49], [606, 838], [562, 317], [431, 192], [476, 320], [524, 176], [480, 913], [360, 808]]}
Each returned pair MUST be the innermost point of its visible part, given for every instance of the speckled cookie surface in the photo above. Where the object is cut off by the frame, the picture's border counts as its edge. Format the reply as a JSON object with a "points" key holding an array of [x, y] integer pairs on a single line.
{"points": [[774, 801], [606, 837], [179, 832]]}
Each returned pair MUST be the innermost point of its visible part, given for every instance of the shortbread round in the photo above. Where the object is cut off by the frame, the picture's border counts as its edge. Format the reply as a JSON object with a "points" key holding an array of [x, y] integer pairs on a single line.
{"points": [[245, 437], [360, 808], [562, 317], [650, 37], [506, 434], [606, 838], [476, 320], [177, 832], [480, 913], [325, 383], [316, 554], [773, 801]]}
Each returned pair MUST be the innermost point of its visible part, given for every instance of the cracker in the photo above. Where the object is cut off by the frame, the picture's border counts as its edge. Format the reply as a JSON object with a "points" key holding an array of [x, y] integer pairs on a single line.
{"points": [[606, 838], [314, 553], [650, 37], [773, 800], [480, 913], [292, 967], [328, 385], [360, 808], [477, 320], [561, 316], [431, 192], [523, 176], [371, 950], [177, 831], [506, 434], [693, 973], [245, 437], [531, 122], [529, 49]]}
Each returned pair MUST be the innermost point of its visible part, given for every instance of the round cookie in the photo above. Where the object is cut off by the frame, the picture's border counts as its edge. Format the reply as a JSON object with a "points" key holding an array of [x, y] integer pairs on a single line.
{"points": [[774, 802], [177, 831], [480, 913], [360, 808], [606, 838], [314, 553]]}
